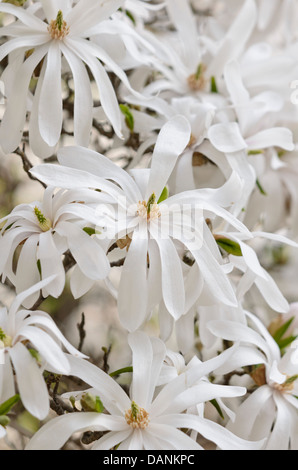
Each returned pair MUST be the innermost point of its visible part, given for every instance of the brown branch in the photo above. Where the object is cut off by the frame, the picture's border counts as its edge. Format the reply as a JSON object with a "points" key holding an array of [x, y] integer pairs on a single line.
{"points": [[82, 332], [27, 165], [117, 264]]}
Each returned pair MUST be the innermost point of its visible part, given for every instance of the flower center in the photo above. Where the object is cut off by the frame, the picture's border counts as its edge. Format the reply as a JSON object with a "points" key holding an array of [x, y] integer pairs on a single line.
{"points": [[5, 340], [58, 28], [44, 223], [197, 81], [287, 386], [148, 210], [137, 417]]}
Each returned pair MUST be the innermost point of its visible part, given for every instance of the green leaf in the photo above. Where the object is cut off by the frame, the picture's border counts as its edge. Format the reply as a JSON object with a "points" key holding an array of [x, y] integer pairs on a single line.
{"points": [[8, 404], [199, 71], [217, 407], [130, 16], [129, 119], [89, 230], [231, 247], [28, 422], [4, 420], [282, 330], [292, 379], [255, 152], [164, 195], [260, 187], [121, 371], [35, 355], [214, 88], [283, 343], [92, 403]]}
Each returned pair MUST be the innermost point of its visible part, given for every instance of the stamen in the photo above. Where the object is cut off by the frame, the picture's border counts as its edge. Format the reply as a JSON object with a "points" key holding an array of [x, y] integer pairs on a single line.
{"points": [[137, 417], [197, 81], [5, 340], [287, 386], [58, 28], [150, 209], [44, 223]]}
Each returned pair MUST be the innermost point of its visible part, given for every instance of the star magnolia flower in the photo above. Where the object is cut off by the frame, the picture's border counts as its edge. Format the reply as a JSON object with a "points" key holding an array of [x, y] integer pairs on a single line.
{"points": [[45, 231], [153, 231], [187, 64], [64, 32], [142, 420], [18, 328], [271, 410]]}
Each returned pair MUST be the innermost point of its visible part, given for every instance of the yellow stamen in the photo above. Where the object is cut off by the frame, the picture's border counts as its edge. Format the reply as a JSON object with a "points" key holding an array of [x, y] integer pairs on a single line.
{"points": [[148, 210], [44, 223], [58, 28], [197, 81], [137, 417]]}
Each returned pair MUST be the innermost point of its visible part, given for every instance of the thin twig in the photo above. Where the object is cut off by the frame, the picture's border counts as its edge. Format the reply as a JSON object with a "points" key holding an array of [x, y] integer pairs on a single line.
{"points": [[82, 332], [27, 165]]}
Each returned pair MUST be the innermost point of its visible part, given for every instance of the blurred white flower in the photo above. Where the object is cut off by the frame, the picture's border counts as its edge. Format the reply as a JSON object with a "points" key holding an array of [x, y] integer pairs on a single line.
{"points": [[270, 411]]}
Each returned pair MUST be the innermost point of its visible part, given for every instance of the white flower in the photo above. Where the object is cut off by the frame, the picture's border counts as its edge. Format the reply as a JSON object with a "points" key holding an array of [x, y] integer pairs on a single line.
{"points": [[64, 32], [271, 410], [18, 330], [45, 231], [189, 61], [142, 420], [156, 231]]}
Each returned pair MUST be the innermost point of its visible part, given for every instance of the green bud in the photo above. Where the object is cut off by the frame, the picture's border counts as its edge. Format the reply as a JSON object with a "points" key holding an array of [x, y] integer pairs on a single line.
{"points": [[164, 195], [4, 420], [231, 247], [92, 403], [8, 404], [129, 119], [150, 202], [17, 3]]}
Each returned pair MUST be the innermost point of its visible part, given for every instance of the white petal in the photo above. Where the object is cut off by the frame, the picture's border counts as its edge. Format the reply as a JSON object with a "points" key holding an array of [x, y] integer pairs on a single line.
{"points": [[172, 278], [86, 14], [32, 387], [172, 140], [54, 434], [50, 103], [236, 38], [132, 298], [227, 137], [98, 165], [89, 255], [28, 19], [24, 295], [51, 264], [15, 113], [107, 94], [52, 7], [39, 146], [113, 396], [111, 439], [27, 274], [171, 438], [83, 102], [280, 436], [142, 357], [212, 431], [79, 283], [275, 137]]}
